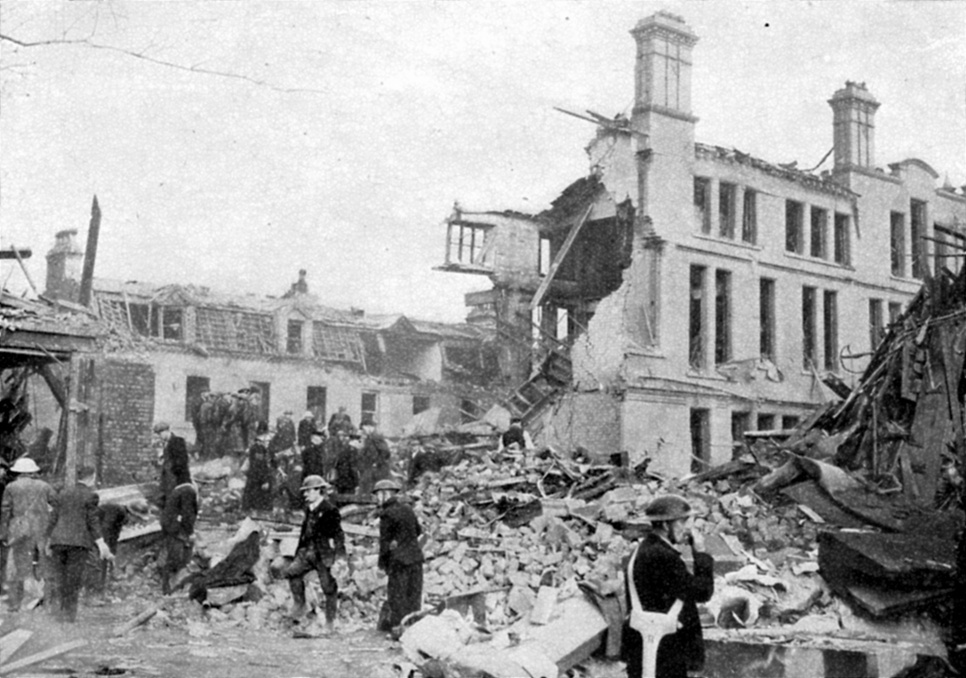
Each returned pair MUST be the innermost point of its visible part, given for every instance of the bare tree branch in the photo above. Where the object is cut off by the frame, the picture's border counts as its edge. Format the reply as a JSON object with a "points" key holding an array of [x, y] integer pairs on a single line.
{"points": [[86, 42]]}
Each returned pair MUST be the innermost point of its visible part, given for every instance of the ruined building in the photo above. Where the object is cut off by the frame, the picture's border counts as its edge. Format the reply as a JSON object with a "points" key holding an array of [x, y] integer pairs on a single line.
{"points": [[680, 293]]}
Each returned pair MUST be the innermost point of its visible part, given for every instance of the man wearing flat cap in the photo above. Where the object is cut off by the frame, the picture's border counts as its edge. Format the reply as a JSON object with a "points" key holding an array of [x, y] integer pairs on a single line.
{"points": [[321, 541], [173, 460], [660, 577]]}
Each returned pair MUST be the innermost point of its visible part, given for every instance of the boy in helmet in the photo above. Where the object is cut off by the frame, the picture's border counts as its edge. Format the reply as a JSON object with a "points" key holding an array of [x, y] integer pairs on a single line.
{"points": [[321, 541], [661, 577], [400, 555]]}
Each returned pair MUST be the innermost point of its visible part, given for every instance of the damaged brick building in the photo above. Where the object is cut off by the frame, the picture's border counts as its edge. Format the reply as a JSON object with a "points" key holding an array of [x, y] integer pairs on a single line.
{"points": [[685, 293]]}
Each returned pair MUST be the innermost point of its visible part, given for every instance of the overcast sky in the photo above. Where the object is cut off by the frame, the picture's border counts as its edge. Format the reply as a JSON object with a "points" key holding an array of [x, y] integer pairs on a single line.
{"points": [[376, 116]]}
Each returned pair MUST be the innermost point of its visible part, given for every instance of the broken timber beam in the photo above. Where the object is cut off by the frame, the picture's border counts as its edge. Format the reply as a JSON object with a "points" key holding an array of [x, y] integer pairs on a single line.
{"points": [[41, 656], [545, 283]]}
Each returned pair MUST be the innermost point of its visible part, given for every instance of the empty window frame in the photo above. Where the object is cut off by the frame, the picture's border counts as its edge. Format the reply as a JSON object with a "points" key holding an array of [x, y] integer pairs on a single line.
{"points": [[194, 388], [766, 314], [727, 209], [819, 233], [917, 243], [700, 439], [702, 203], [368, 406], [789, 421], [722, 316], [940, 250], [895, 310], [697, 339], [543, 256], [315, 397], [809, 330], [420, 404], [564, 327], [766, 422], [740, 422], [331, 342], [794, 217], [293, 342], [951, 242], [466, 242], [172, 323], [843, 243], [749, 217], [897, 243], [876, 325], [830, 326]]}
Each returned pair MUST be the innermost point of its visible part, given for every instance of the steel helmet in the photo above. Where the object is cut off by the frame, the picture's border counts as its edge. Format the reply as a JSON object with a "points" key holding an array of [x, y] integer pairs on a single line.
{"points": [[312, 482], [668, 507], [387, 484], [25, 465]]}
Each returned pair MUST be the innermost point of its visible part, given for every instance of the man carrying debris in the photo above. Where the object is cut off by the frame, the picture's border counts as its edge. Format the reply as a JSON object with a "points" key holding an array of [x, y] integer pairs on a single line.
{"points": [[400, 555], [321, 541], [72, 531], [23, 521], [660, 577], [515, 437], [177, 530], [173, 459]]}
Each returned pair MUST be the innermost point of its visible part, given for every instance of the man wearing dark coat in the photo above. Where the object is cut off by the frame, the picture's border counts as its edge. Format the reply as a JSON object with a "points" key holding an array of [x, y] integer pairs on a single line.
{"points": [[661, 577], [305, 430], [321, 541], [313, 457], [173, 459], [72, 531], [400, 555], [340, 421], [177, 530], [374, 457], [260, 474], [344, 472]]}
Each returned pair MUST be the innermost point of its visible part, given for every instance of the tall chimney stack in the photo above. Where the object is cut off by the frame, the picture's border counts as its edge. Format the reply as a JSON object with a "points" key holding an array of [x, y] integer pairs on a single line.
{"points": [[64, 262], [853, 127]]}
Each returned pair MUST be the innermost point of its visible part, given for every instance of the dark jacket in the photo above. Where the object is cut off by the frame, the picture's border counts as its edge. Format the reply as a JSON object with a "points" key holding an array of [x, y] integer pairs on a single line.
{"points": [[340, 422], [346, 478], [261, 472], [399, 532], [174, 465], [180, 511], [305, 430], [73, 518], [313, 461], [322, 531], [514, 435], [661, 577]]}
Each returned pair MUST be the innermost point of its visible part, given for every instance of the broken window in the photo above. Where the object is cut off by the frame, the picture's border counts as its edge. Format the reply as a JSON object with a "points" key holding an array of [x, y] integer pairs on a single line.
{"points": [[368, 406], [794, 216], [702, 203], [876, 328], [331, 342], [235, 330], [696, 324], [315, 397], [172, 323], [917, 243], [262, 398], [749, 217], [941, 250], [722, 316], [140, 316], [193, 388], [897, 243], [740, 422], [819, 241], [843, 245], [700, 439], [947, 243], [766, 422], [766, 308], [830, 317], [726, 209], [466, 242], [420, 404], [789, 421], [543, 256], [895, 310], [293, 343], [809, 345], [563, 327]]}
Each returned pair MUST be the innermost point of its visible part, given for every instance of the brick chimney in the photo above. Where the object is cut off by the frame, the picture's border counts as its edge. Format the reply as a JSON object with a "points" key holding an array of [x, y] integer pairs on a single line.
{"points": [[662, 75], [64, 262], [853, 127]]}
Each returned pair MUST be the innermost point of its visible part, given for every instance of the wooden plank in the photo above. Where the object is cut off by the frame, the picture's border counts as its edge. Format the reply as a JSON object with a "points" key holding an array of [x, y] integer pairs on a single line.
{"points": [[38, 657], [12, 642], [545, 283]]}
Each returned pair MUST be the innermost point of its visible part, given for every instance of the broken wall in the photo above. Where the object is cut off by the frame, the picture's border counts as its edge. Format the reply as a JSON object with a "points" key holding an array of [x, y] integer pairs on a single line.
{"points": [[589, 420]]}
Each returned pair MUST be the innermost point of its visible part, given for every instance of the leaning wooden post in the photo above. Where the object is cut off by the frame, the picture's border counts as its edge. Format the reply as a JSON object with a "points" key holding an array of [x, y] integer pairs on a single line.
{"points": [[73, 391]]}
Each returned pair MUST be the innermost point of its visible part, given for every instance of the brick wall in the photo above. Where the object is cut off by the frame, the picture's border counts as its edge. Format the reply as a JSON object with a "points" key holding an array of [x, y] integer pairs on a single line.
{"points": [[121, 427]]}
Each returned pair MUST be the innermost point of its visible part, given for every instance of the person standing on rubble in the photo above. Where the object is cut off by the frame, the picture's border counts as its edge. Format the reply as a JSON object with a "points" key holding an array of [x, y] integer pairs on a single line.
{"points": [[177, 531], [313, 457], [515, 437], [173, 460], [341, 421], [321, 541], [259, 469], [24, 512], [374, 458], [306, 429], [660, 577], [344, 472], [400, 556], [72, 531]]}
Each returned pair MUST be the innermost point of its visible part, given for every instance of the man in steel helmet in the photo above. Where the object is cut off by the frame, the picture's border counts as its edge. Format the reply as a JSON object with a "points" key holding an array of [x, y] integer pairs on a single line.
{"points": [[320, 542], [400, 555], [661, 577]]}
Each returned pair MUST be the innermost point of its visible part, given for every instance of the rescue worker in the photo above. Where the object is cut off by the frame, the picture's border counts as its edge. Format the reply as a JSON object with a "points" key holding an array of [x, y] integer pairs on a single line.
{"points": [[305, 430], [259, 470], [173, 459], [515, 437], [177, 529], [400, 556], [373, 459], [341, 421], [24, 512], [313, 457], [321, 541], [661, 577]]}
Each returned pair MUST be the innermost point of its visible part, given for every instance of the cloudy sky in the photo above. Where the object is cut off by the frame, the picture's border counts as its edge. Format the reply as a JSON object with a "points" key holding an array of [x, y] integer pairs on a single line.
{"points": [[340, 133]]}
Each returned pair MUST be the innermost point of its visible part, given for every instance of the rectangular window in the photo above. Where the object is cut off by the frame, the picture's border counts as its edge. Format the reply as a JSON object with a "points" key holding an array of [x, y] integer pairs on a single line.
{"points": [[696, 324], [794, 216], [941, 258], [917, 245], [722, 316], [809, 345], [819, 231], [950, 242], [727, 204], [262, 398], [749, 217], [700, 440], [466, 242], [420, 404], [193, 389], [830, 317], [766, 422], [740, 422], [843, 243], [789, 421], [563, 324], [172, 323], [897, 243], [895, 310], [294, 341], [543, 256], [766, 314], [368, 406], [876, 327], [315, 397], [702, 203]]}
